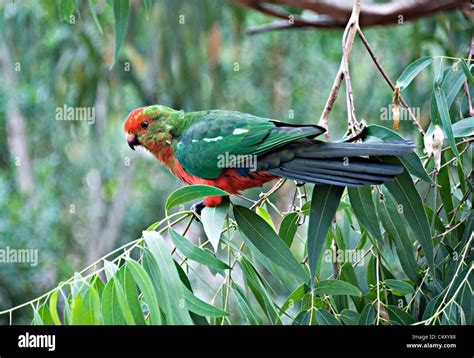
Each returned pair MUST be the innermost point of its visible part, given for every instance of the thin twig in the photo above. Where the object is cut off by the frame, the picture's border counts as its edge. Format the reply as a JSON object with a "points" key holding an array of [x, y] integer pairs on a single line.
{"points": [[387, 79], [343, 72]]}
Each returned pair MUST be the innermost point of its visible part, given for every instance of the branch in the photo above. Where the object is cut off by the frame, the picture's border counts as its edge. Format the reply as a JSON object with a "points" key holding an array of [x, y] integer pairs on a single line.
{"points": [[335, 14], [343, 72], [387, 79]]}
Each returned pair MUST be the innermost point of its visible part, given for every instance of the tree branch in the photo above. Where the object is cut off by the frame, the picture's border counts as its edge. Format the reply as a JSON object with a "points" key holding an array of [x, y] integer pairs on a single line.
{"points": [[335, 14]]}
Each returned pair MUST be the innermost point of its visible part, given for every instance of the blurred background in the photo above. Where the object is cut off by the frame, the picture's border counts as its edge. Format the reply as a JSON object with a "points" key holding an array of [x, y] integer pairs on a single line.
{"points": [[74, 190]]}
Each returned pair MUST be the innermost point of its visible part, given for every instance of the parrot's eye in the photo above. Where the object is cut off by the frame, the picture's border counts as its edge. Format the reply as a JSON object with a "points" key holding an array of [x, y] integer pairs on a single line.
{"points": [[144, 124]]}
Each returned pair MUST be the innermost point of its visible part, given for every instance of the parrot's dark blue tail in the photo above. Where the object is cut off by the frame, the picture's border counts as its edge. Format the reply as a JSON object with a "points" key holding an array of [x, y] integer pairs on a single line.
{"points": [[343, 164]]}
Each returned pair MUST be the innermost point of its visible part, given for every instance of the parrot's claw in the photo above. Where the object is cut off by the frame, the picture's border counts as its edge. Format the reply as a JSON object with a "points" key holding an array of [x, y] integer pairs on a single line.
{"points": [[196, 208]]}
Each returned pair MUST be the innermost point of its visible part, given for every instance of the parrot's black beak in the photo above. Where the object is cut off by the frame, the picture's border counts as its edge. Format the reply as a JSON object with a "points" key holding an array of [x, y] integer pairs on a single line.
{"points": [[132, 141]]}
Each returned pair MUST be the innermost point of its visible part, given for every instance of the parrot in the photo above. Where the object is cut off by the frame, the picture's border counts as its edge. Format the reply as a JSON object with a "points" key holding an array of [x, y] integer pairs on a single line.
{"points": [[235, 151]]}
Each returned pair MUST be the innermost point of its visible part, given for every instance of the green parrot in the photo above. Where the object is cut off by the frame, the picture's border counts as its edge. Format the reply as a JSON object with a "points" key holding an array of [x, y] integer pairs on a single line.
{"points": [[235, 151]]}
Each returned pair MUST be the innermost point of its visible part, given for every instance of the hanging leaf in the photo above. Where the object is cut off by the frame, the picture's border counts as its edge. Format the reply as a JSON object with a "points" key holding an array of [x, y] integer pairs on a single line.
{"points": [[265, 216], [92, 308], [336, 287], [395, 227], [324, 318], [195, 253], [364, 208], [294, 297], [467, 72], [288, 228], [202, 308], [259, 289], [213, 220], [172, 290], [130, 289], [121, 14], [264, 238], [110, 306], [445, 119], [464, 128], [243, 305], [406, 195], [350, 318], [145, 285], [412, 71], [66, 9], [399, 286], [94, 15], [399, 316], [324, 203]]}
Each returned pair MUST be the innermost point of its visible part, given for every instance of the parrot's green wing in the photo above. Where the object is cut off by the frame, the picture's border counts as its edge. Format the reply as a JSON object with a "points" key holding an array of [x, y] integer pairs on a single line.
{"points": [[213, 135]]}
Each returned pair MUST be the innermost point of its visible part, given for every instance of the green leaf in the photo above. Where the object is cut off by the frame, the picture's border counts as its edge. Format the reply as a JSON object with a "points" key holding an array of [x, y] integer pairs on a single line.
{"points": [[130, 289], [399, 316], [452, 83], [294, 297], [412, 71], [195, 253], [405, 193], [410, 161], [243, 305], [445, 188], [432, 306], [401, 287], [53, 308], [213, 220], [202, 308], [94, 15], [288, 228], [350, 318], [77, 311], [364, 208], [367, 316], [45, 315], [121, 14], [467, 72], [324, 203], [192, 192], [445, 122], [256, 284], [111, 310], [464, 128], [171, 286], [110, 270], [148, 5], [336, 287], [395, 227], [145, 284], [66, 9], [37, 321], [91, 307], [123, 302], [265, 216], [324, 318], [265, 239]]}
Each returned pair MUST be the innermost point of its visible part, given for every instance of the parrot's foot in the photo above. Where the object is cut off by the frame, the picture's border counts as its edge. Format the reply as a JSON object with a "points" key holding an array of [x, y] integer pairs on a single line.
{"points": [[196, 208]]}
